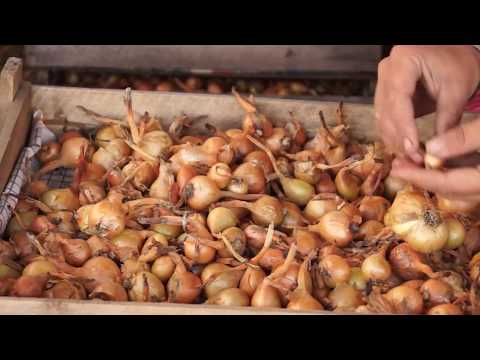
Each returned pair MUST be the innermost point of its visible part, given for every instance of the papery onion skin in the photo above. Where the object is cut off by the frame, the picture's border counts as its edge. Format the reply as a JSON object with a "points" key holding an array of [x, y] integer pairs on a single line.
{"points": [[230, 297], [60, 199], [146, 287], [345, 296], [411, 218], [436, 292], [406, 300], [445, 309]]}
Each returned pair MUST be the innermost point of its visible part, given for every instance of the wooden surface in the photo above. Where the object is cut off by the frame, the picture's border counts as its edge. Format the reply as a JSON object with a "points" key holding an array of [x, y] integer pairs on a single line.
{"points": [[222, 110], [15, 106], [29, 306], [311, 60], [11, 78]]}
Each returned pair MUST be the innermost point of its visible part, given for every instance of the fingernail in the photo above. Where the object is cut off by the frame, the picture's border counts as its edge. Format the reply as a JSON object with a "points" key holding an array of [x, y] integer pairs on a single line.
{"points": [[416, 157], [408, 145], [434, 147]]}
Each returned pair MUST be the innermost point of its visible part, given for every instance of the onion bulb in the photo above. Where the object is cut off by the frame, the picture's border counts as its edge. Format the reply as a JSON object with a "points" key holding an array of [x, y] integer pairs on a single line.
{"points": [[221, 174], [7, 272], [436, 292], [60, 199], [236, 237], [345, 297], [265, 210], [320, 205], [265, 294], [221, 218], [357, 279], [445, 309], [301, 298], [297, 191], [103, 218], [226, 279], [336, 270], [163, 268], [336, 227], [405, 300], [253, 176], [376, 267], [456, 233], [260, 159], [29, 286], [70, 154], [230, 297], [146, 287], [98, 270], [373, 207], [65, 289], [348, 184], [408, 264], [421, 226], [253, 123], [109, 291], [183, 286], [201, 192], [254, 275]]}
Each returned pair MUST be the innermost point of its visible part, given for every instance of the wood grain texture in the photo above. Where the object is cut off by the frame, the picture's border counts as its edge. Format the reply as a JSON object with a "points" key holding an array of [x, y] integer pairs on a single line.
{"points": [[222, 110], [11, 78], [15, 119], [229, 59], [30, 306]]}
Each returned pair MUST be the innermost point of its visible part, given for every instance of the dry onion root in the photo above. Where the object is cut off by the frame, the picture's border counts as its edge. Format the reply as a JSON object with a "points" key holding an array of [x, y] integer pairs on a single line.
{"points": [[260, 216]]}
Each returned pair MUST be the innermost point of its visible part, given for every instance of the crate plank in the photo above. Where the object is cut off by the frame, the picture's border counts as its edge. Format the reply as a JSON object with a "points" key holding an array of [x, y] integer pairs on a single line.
{"points": [[23, 306], [15, 106], [222, 110], [204, 59]]}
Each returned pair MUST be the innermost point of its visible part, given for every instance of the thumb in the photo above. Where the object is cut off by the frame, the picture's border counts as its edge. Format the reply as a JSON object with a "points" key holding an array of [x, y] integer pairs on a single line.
{"points": [[463, 139]]}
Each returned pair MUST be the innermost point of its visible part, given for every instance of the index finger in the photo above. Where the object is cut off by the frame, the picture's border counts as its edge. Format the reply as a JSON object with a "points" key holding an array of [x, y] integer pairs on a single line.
{"points": [[398, 78], [456, 182]]}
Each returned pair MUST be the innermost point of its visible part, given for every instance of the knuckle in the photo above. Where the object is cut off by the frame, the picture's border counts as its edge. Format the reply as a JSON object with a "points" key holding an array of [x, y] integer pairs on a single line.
{"points": [[401, 51]]}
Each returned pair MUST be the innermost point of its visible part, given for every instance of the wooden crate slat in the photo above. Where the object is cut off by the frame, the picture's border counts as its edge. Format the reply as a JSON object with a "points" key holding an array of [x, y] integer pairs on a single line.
{"points": [[253, 59]]}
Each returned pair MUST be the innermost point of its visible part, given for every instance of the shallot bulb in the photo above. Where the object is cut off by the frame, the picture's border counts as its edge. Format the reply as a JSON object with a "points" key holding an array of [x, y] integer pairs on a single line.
{"points": [[103, 218], [72, 149], [297, 191], [265, 210], [201, 192], [146, 287], [336, 227], [413, 219], [301, 299], [183, 286], [408, 264], [254, 123]]}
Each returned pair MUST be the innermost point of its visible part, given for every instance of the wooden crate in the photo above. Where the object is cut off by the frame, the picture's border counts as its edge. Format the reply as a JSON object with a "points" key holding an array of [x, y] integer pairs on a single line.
{"points": [[310, 61], [222, 110]]}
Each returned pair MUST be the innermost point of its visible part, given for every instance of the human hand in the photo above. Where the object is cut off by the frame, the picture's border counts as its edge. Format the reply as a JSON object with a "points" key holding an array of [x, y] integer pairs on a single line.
{"points": [[417, 80], [461, 183]]}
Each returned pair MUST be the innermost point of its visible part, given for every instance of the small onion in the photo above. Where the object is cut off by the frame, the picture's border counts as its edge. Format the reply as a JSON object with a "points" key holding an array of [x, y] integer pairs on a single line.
{"points": [[221, 218], [405, 300], [230, 297], [146, 287], [445, 309]]}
